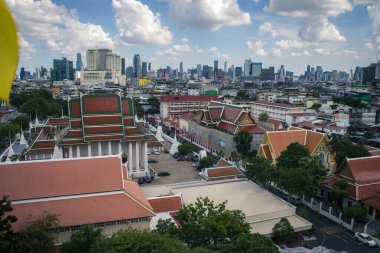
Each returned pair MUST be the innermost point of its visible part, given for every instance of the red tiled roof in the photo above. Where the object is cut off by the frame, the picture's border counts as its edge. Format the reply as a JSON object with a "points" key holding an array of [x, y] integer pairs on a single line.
{"points": [[84, 210], [166, 204], [94, 120], [134, 190], [277, 104], [312, 140], [75, 111], [103, 129], [101, 104], [155, 144], [223, 163], [126, 103], [280, 140], [373, 202], [44, 144], [187, 98], [188, 115], [276, 123], [104, 137], [250, 129], [365, 170], [231, 113], [308, 125], [48, 178], [216, 113], [227, 127], [221, 172]]}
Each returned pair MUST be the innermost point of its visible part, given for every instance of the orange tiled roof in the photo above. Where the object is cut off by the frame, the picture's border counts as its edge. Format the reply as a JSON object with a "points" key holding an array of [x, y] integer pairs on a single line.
{"points": [[166, 204], [365, 170], [221, 172], [266, 152]]}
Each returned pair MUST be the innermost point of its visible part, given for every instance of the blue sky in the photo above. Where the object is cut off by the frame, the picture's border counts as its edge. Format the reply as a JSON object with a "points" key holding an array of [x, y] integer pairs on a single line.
{"points": [[336, 34]]}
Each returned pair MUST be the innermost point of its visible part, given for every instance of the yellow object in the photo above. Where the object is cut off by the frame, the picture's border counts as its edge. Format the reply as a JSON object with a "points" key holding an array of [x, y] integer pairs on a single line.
{"points": [[143, 81], [8, 50]]}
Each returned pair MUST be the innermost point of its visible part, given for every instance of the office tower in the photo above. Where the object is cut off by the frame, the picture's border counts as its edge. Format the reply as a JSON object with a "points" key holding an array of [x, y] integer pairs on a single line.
{"points": [[123, 66], [247, 67], [256, 69], [102, 58], [92, 59], [238, 71], [136, 66], [129, 72], [282, 73], [205, 71], [149, 66], [62, 70], [211, 73], [225, 66], [22, 73], [37, 74], [199, 70], [181, 70], [271, 73], [370, 73], [79, 63], [144, 69], [215, 68], [112, 62], [43, 72]]}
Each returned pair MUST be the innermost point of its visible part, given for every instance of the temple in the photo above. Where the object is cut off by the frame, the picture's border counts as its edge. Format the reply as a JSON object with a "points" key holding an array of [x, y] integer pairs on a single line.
{"points": [[97, 125]]}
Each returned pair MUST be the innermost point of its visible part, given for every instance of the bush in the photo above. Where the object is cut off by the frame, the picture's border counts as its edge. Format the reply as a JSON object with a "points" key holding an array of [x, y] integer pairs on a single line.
{"points": [[283, 231], [356, 212], [185, 149]]}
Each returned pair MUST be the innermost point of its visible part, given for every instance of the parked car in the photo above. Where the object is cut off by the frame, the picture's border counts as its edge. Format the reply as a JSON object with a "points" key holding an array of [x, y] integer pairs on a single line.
{"points": [[163, 174], [152, 160], [141, 180], [156, 152], [365, 238], [148, 179], [166, 151]]}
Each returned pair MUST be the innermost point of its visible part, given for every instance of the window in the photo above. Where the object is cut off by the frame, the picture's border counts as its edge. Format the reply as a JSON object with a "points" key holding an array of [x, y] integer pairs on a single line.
{"points": [[322, 149]]}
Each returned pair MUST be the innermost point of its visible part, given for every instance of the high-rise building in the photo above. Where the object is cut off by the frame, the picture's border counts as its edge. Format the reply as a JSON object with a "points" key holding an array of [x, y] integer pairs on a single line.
{"points": [[238, 71], [247, 67], [79, 63], [136, 66], [112, 62], [215, 68], [256, 69], [22, 73], [62, 69], [225, 66], [129, 72], [181, 70], [96, 59], [144, 69], [37, 74], [123, 66], [199, 70], [102, 58], [149, 66]]}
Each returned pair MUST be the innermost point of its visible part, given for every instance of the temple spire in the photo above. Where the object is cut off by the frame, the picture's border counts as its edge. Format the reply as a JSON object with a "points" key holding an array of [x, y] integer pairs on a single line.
{"points": [[175, 144]]}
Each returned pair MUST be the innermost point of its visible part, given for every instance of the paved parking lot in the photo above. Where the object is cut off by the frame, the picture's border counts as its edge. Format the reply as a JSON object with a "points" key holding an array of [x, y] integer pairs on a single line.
{"points": [[180, 171]]}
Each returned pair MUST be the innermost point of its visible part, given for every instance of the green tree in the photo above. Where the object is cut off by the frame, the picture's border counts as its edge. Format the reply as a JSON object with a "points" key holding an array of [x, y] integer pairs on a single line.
{"points": [[258, 169], [154, 103], [316, 106], [339, 191], [342, 147], [185, 148], [369, 135], [356, 212], [251, 243], [136, 241], [38, 235], [138, 108], [21, 121], [305, 179], [6, 220], [39, 105], [82, 240], [167, 227], [291, 157], [9, 130], [242, 95], [283, 231], [333, 106], [263, 117], [206, 162], [243, 144], [204, 223]]}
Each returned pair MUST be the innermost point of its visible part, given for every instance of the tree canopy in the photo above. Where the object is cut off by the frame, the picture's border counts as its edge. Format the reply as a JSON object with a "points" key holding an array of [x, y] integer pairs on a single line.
{"points": [[206, 162], [185, 148], [21, 121], [316, 106], [154, 103], [242, 95], [283, 230], [258, 169], [6, 220], [263, 117], [243, 144], [82, 240], [291, 157]]}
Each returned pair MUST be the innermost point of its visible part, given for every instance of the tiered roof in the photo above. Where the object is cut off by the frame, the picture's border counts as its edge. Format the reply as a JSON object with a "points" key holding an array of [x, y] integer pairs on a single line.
{"points": [[223, 169]]}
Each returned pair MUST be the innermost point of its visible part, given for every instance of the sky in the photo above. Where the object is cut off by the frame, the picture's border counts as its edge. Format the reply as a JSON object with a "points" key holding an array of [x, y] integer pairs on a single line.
{"points": [[336, 34]]}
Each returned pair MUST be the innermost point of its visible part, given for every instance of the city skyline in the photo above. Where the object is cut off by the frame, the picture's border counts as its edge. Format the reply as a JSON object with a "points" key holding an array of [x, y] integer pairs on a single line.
{"points": [[335, 34]]}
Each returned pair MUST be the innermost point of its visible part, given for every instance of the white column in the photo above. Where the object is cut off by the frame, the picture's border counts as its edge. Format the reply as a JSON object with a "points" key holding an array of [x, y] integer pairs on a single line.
{"points": [[145, 155], [137, 156], [99, 149], [89, 149], [109, 148], [70, 151], [78, 151], [130, 157]]}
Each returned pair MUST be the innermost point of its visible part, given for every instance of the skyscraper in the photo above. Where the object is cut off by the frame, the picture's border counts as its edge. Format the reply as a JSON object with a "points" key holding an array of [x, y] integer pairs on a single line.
{"points": [[247, 67], [144, 69], [92, 59], [215, 68], [62, 69], [79, 63], [199, 70], [136, 66], [112, 62], [225, 66], [256, 69], [181, 70], [22, 73], [149, 66], [123, 66]]}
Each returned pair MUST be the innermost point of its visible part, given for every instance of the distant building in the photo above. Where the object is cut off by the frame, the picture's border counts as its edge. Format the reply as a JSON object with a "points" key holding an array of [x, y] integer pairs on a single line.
{"points": [[22, 73], [129, 72], [256, 69], [144, 69], [136, 66], [238, 71], [62, 70], [275, 110], [96, 59], [247, 68], [79, 64], [123, 66]]}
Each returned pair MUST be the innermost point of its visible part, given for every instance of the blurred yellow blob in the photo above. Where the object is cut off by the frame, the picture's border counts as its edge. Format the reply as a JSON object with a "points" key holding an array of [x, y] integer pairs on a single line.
{"points": [[8, 50]]}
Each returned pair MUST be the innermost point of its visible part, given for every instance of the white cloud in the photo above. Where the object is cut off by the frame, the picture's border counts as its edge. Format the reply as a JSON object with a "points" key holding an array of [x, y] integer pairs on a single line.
{"points": [[292, 44], [323, 51], [330, 51], [266, 28], [207, 15], [214, 51], [276, 52], [177, 50], [303, 53], [26, 49], [185, 40], [320, 30], [361, 2], [302, 8], [351, 53], [256, 48], [369, 46], [55, 27], [256, 1], [199, 50], [373, 12], [137, 24]]}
